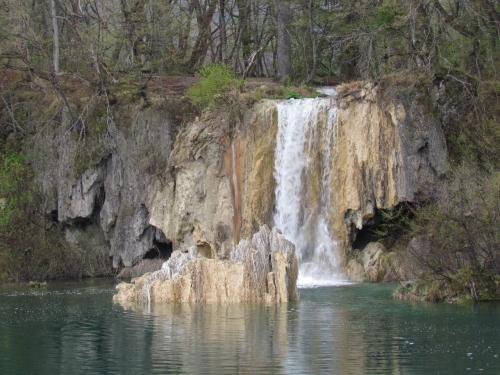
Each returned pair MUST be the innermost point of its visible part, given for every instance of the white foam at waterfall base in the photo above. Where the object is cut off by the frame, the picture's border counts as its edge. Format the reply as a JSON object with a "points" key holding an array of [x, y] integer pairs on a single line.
{"points": [[304, 127]]}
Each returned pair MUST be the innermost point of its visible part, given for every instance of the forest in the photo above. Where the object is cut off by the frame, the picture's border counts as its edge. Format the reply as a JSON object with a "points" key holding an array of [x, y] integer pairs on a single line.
{"points": [[453, 42]]}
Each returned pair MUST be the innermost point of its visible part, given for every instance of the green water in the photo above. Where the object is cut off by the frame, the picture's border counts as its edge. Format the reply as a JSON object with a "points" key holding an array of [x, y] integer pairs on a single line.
{"points": [[358, 329]]}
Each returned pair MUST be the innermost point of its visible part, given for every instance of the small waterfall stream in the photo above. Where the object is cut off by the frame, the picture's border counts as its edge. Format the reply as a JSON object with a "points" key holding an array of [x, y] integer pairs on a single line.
{"points": [[306, 136]]}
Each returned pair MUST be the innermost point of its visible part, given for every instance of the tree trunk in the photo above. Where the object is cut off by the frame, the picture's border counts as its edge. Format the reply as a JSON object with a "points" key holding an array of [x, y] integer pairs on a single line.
{"points": [[245, 31], [283, 17], [204, 15], [312, 65], [222, 31], [55, 33]]}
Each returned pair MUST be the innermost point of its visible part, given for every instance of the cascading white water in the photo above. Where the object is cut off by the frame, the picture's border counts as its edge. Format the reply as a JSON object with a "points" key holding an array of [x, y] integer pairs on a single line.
{"points": [[306, 135]]}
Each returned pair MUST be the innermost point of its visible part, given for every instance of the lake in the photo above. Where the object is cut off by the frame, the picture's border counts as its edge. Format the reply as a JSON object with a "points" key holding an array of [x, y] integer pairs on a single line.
{"points": [[74, 328]]}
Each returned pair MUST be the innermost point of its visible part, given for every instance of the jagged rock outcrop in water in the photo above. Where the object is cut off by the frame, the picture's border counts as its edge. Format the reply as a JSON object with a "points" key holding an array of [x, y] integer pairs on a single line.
{"points": [[263, 269]]}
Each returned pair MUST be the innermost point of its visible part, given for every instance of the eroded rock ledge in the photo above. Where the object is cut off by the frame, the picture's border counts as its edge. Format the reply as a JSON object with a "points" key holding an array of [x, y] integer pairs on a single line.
{"points": [[263, 269]]}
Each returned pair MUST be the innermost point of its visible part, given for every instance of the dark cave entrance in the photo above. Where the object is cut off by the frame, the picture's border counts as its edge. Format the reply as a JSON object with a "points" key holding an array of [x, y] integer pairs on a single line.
{"points": [[387, 226], [161, 248], [364, 236]]}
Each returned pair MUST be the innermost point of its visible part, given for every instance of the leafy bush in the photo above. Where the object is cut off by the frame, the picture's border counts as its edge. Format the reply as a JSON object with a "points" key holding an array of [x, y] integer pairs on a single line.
{"points": [[299, 92], [391, 224], [292, 94], [463, 237], [32, 247], [216, 81], [15, 195], [385, 15]]}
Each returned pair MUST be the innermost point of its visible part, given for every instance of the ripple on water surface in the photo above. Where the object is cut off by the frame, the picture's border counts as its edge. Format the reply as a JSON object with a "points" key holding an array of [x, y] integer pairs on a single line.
{"points": [[347, 329]]}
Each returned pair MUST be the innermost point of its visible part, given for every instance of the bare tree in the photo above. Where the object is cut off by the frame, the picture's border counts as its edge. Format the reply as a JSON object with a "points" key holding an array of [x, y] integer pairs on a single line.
{"points": [[204, 13], [283, 18], [222, 32], [245, 31], [55, 31], [312, 67]]}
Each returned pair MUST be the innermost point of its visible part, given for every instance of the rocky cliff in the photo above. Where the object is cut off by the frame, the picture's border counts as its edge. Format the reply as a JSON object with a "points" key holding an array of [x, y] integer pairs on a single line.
{"points": [[102, 203], [162, 184], [389, 149], [219, 185]]}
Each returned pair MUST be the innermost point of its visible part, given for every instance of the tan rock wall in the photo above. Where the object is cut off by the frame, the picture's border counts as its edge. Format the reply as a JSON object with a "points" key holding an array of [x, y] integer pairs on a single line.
{"points": [[193, 204], [258, 184], [387, 150], [219, 187]]}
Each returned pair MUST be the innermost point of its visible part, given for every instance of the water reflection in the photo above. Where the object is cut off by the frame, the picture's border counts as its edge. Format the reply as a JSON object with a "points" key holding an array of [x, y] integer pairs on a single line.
{"points": [[340, 331], [229, 338], [343, 330]]}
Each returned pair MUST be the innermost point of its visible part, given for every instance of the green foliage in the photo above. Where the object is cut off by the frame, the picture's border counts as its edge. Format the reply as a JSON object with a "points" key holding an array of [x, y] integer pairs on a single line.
{"points": [[216, 82], [385, 14], [453, 53], [32, 253], [475, 135], [391, 224], [428, 291], [15, 193], [298, 92], [462, 233], [31, 246], [292, 94]]}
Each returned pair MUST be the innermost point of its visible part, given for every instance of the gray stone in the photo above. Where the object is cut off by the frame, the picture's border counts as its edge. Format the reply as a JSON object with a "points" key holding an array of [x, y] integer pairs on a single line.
{"points": [[141, 268], [114, 192]]}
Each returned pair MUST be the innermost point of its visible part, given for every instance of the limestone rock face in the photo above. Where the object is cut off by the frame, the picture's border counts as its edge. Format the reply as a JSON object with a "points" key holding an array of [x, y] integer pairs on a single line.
{"points": [[77, 200], [141, 268], [263, 269], [257, 184], [270, 266], [206, 183], [210, 182], [220, 185], [367, 266], [193, 203], [111, 193], [375, 263], [388, 150]]}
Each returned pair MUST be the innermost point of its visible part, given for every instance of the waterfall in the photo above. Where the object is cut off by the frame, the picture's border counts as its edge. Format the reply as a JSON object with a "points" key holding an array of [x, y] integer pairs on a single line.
{"points": [[306, 136]]}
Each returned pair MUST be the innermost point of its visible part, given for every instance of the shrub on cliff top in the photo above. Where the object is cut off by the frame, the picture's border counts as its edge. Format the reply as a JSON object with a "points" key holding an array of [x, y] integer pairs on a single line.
{"points": [[216, 82]]}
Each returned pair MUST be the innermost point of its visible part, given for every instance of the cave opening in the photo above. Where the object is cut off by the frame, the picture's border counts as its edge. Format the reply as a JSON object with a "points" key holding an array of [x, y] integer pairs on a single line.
{"points": [[54, 216], [364, 236], [386, 226], [159, 250], [161, 247]]}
